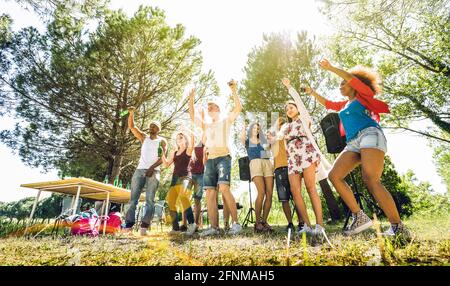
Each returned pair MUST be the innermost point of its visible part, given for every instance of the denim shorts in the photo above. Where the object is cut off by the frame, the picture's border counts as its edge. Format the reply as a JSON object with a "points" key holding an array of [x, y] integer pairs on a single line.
{"points": [[370, 137], [217, 171], [197, 180]]}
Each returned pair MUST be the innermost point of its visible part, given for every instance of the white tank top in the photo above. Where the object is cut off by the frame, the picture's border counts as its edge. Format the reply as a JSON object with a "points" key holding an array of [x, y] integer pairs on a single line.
{"points": [[149, 153]]}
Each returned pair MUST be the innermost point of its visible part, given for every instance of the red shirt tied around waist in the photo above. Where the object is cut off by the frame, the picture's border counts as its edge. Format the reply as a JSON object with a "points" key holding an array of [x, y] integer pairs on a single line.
{"points": [[196, 166]]}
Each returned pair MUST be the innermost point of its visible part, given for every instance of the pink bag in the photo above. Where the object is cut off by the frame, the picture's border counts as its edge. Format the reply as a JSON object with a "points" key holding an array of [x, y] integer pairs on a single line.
{"points": [[113, 223], [86, 226]]}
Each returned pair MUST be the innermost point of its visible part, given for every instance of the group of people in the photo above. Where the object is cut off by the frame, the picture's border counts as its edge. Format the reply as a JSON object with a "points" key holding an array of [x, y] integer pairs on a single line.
{"points": [[286, 154]]}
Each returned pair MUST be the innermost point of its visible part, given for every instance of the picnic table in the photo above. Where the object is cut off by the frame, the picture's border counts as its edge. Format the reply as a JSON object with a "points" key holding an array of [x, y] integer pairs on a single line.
{"points": [[82, 188]]}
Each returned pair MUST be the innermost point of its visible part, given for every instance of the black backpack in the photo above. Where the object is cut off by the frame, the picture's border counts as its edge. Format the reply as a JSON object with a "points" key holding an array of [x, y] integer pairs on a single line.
{"points": [[330, 128]]}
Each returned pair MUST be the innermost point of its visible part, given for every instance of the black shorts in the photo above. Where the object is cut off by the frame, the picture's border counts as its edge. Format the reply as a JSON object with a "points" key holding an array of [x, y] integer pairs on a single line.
{"points": [[282, 184]]}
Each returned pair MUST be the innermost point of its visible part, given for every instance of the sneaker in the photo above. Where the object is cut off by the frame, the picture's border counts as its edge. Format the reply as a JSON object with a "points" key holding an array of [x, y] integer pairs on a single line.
{"points": [[290, 226], [142, 231], [191, 229], [318, 233], [304, 229], [183, 228], [235, 229], [209, 232], [360, 222], [175, 230], [398, 231]]}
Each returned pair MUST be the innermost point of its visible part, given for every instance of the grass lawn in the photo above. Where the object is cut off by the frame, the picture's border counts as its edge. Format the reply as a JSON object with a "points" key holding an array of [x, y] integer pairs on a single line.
{"points": [[430, 246]]}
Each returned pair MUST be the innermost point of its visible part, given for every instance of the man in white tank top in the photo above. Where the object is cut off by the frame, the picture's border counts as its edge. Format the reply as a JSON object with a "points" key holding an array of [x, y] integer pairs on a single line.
{"points": [[147, 173], [218, 165]]}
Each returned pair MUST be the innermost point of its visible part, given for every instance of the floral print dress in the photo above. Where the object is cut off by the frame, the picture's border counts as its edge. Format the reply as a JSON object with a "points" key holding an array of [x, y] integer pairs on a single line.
{"points": [[301, 152]]}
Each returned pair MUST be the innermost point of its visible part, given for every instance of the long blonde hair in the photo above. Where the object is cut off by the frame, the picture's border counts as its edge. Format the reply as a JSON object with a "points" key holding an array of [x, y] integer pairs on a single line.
{"points": [[186, 140]]}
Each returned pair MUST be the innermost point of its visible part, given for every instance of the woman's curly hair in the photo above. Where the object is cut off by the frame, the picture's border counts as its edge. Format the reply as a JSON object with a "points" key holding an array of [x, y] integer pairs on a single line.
{"points": [[368, 76]]}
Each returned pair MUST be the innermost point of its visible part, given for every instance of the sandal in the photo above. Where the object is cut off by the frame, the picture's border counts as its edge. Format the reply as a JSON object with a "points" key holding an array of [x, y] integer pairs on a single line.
{"points": [[259, 227], [267, 227]]}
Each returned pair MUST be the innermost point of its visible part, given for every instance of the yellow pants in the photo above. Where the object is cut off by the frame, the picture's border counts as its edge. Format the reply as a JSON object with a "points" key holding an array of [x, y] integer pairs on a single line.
{"points": [[180, 195]]}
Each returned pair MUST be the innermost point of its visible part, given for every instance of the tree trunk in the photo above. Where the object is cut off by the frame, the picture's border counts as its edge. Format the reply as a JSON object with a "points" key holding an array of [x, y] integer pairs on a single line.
{"points": [[117, 163], [332, 204]]}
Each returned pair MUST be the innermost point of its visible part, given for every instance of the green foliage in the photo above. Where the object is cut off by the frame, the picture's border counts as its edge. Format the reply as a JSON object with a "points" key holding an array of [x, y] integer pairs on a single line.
{"points": [[407, 42], [45, 7], [49, 207], [277, 57], [441, 158], [5, 29], [423, 200], [19, 209], [69, 85]]}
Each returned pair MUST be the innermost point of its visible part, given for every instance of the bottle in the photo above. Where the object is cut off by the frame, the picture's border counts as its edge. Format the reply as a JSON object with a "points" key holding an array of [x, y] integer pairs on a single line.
{"points": [[123, 113], [106, 180], [116, 181], [120, 184], [160, 150], [128, 186]]}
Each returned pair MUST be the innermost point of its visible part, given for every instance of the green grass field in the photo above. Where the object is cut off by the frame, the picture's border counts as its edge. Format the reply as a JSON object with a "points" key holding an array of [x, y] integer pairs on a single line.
{"points": [[430, 246]]}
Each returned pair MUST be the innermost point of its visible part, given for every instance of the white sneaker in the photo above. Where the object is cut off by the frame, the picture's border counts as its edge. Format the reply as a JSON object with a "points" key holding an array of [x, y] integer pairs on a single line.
{"points": [[191, 229], [305, 229], [143, 231], [389, 232], [209, 232], [318, 233], [318, 230], [398, 230], [235, 229]]}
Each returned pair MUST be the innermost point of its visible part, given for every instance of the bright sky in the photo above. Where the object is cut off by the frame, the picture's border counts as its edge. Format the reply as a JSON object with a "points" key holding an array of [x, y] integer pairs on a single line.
{"points": [[228, 31]]}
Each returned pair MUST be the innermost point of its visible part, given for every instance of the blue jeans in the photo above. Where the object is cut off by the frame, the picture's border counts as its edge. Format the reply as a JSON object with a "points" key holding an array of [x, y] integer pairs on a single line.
{"points": [[138, 182]]}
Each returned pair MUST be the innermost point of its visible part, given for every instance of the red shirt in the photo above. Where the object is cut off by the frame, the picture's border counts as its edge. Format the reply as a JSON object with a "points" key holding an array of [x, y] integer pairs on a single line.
{"points": [[365, 96], [196, 167]]}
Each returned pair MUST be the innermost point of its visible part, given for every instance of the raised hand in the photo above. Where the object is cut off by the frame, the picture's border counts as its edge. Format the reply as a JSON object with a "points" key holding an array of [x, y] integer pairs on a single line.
{"points": [[192, 93], [308, 90], [325, 64], [233, 85], [202, 113], [286, 82], [270, 135]]}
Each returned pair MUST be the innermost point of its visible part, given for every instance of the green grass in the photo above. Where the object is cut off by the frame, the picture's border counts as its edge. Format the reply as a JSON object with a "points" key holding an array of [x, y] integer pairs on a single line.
{"points": [[430, 246]]}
